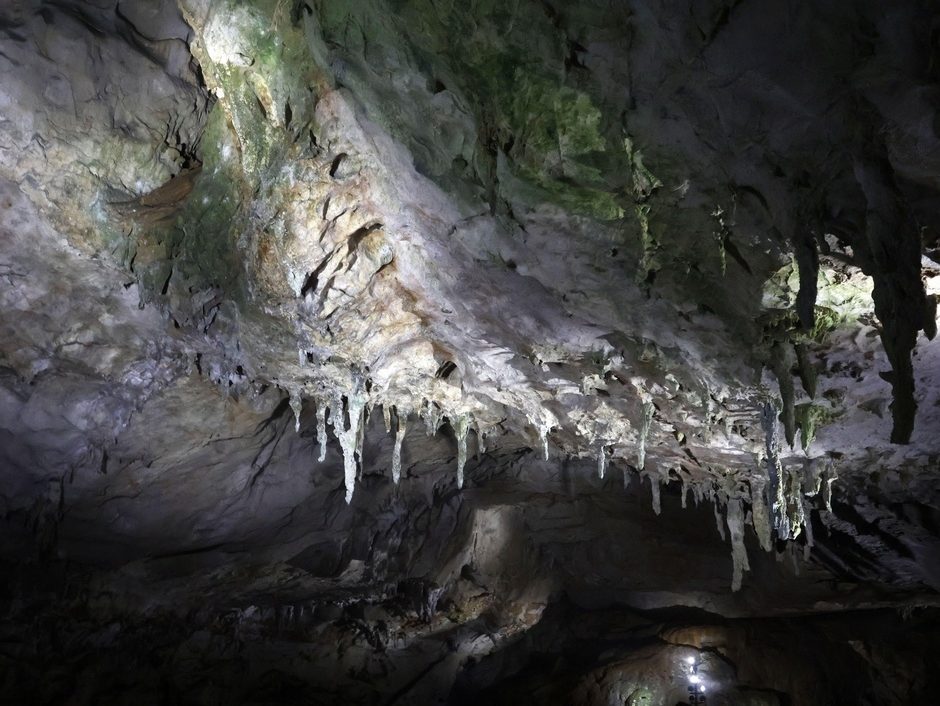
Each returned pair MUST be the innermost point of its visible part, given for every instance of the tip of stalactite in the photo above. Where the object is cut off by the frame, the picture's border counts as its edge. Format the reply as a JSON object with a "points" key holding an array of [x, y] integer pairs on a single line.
{"points": [[903, 425], [903, 407]]}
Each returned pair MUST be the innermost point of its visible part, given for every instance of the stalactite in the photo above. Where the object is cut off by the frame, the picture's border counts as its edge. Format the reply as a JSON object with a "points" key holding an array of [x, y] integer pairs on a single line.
{"points": [[433, 417], [782, 361], [812, 477], [719, 522], [349, 438], [402, 419], [461, 427], [774, 472], [738, 550], [828, 479], [760, 514], [361, 437], [807, 370], [321, 428], [296, 404], [795, 509], [644, 434], [810, 540], [654, 490], [543, 436], [602, 462]]}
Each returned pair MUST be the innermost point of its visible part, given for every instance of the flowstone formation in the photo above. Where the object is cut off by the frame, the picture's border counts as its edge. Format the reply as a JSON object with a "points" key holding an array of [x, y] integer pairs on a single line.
{"points": [[607, 258]]}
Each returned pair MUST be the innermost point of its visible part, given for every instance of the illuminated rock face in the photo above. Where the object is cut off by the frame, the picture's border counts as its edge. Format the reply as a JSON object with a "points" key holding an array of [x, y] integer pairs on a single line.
{"points": [[651, 286]]}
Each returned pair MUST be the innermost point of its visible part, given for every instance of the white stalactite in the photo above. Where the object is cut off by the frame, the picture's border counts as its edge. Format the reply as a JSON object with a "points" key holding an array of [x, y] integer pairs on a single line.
{"points": [[433, 417], [399, 437], [780, 509], [296, 404], [827, 487], [387, 417], [644, 434], [602, 462], [321, 428], [543, 436], [349, 438], [461, 427]]}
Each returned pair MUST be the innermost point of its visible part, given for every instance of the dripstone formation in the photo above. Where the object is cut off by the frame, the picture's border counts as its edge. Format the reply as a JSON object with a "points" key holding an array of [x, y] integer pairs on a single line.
{"points": [[435, 352]]}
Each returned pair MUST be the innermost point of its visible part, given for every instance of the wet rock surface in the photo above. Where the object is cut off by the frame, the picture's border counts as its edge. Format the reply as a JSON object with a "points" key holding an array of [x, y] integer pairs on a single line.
{"points": [[427, 352]]}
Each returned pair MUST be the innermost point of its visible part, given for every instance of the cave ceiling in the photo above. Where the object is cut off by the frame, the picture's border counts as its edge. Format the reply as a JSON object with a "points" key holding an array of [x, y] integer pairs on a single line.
{"points": [[633, 301]]}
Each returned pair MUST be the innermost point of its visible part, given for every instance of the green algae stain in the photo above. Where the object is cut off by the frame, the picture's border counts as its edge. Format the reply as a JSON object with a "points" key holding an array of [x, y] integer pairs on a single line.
{"points": [[258, 64], [212, 215], [506, 60], [810, 418], [553, 127]]}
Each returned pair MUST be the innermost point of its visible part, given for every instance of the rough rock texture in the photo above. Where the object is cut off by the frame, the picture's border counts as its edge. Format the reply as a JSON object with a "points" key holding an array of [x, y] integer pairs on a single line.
{"points": [[411, 351]]}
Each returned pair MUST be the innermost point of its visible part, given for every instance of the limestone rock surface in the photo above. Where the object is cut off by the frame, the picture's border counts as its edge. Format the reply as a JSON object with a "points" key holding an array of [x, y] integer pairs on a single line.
{"points": [[419, 351]]}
